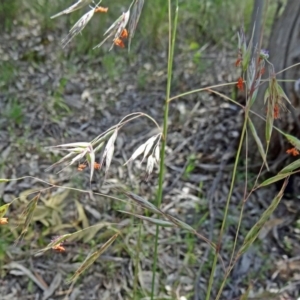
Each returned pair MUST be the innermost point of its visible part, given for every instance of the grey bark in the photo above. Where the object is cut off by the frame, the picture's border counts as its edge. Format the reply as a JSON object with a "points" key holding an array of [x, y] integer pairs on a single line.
{"points": [[256, 21], [284, 50]]}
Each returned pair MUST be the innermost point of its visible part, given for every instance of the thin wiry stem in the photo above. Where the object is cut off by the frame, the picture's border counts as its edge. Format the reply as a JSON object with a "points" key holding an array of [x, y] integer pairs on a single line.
{"points": [[172, 36], [246, 171], [290, 67], [137, 262], [230, 83], [244, 108], [245, 190], [141, 114], [244, 132], [200, 90], [238, 154], [210, 283], [124, 121]]}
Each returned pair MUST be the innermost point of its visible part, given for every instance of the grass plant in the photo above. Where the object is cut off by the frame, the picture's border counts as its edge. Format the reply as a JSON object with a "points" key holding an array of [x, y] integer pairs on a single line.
{"points": [[152, 152]]}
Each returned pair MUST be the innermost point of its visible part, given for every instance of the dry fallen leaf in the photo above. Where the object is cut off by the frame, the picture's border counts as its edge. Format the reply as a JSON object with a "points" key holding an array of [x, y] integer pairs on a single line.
{"points": [[287, 269]]}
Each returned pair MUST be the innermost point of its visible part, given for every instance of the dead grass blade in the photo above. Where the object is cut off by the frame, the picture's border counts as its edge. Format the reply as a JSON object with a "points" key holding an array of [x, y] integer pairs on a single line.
{"points": [[79, 146], [57, 241], [147, 205], [151, 220], [137, 7], [81, 215], [28, 212], [79, 4], [255, 230], [86, 234], [144, 203], [89, 233], [187, 227], [180, 224], [24, 271], [92, 258]]}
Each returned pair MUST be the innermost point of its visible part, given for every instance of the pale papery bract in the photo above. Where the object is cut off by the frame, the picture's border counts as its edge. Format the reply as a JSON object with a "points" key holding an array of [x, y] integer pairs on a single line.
{"points": [[149, 146], [137, 6], [79, 4], [115, 30], [109, 151], [78, 27], [152, 144]]}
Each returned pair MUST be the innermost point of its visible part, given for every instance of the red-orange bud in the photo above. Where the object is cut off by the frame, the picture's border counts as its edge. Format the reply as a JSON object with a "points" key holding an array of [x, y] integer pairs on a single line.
{"points": [[240, 84], [292, 151], [3, 221]]}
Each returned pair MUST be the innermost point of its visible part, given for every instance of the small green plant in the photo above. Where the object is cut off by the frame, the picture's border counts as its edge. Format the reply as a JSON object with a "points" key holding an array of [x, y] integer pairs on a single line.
{"points": [[8, 12], [14, 112], [142, 79], [4, 244], [190, 166], [110, 65], [8, 71]]}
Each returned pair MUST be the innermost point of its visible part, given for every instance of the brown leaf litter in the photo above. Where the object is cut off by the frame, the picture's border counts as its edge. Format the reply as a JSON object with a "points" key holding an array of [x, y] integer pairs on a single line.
{"points": [[61, 107]]}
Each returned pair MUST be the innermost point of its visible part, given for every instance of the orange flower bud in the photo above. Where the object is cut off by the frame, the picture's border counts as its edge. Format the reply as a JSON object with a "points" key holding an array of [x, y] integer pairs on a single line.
{"points": [[124, 34], [292, 151], [97, 166], [81, 167], [240, 84], [118, 42], [238, 62], [3, 221], [101, 9], [59, 248], [276, 111]]}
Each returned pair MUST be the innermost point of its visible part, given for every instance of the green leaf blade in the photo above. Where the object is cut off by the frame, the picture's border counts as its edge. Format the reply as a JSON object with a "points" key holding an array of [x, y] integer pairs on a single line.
{"points": [[3, 209], [273, 179], [255, 230], [291, 167], [258, 142]]}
